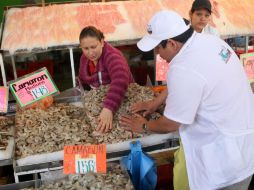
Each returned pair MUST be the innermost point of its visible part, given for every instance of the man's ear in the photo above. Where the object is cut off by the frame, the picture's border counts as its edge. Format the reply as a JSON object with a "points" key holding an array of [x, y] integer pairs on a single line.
{"points": [[171, 43], [174, 44]]}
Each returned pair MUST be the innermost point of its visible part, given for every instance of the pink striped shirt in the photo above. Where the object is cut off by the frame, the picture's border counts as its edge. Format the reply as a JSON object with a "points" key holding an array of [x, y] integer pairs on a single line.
{"points": [[114, 71]]}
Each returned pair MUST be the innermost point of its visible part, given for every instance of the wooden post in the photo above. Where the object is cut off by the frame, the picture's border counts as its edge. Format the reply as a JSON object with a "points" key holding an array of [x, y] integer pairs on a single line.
{"points": [[43, 3], [246, 44]]}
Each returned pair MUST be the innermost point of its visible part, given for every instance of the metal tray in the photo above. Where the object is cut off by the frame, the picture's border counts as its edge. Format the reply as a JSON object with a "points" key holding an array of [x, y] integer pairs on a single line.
{"points": [[52, 176], [22, 185]]}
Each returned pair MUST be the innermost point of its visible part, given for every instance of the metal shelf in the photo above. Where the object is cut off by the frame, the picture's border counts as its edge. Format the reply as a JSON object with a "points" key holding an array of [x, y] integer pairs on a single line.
{"points": [[6, 162], [111, 156]]}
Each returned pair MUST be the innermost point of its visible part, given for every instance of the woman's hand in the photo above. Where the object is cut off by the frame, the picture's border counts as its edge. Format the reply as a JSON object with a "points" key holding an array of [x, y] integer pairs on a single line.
{"points": [[147, 106], [105, 120]]}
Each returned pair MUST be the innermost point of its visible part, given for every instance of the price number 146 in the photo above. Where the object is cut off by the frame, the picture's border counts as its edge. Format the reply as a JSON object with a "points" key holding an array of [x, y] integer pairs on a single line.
{"points": [[39, 91]]}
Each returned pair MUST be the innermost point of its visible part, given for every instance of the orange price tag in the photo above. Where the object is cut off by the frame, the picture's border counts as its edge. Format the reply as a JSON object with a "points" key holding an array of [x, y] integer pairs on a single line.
{"points": [[85, 158], [161, 69]]}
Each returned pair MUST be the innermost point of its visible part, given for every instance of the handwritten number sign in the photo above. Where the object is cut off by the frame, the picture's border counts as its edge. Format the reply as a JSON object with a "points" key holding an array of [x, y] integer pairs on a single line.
{"points": [[85, 158], [84, 165], [39, 92], [33, 87]]}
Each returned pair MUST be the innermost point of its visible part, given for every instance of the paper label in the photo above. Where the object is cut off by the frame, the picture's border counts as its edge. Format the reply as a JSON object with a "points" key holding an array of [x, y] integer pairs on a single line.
{"points": [[4, 99], [161, 69], [247, 60], [85, 158], [33, 87]]}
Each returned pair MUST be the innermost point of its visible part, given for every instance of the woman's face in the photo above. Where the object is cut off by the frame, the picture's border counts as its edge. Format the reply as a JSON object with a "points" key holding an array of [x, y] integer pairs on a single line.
{"points": [[92, 48], [199, 19]]}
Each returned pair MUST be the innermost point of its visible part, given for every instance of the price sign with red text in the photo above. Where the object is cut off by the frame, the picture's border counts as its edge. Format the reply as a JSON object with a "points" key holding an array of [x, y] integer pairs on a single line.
{"points": [[33, 87], [247, 60], [161, 69], [3, 99], [85, 158]]}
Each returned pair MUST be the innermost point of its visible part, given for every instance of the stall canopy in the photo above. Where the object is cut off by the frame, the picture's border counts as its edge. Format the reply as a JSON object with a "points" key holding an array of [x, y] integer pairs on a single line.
{"points": [[31, 28]]}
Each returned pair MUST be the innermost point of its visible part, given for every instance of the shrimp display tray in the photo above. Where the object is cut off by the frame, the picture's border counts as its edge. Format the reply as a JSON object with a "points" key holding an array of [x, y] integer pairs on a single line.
{"points": [[114, 170], [43, 162], [152, 143], [6, 140]]}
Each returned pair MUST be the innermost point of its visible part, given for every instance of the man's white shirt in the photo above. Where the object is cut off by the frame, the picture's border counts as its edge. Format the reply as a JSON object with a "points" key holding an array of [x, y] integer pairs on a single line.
{"points": [[209, 93]]}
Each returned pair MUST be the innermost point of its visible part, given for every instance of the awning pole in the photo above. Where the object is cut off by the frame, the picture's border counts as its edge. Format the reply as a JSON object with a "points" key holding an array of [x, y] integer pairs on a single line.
{"points": [[246, 44], [72, 67], [3, 70], [14, 67]]}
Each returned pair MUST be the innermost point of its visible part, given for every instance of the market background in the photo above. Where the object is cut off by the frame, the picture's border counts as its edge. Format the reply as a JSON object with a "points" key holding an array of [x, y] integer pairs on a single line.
{"points": [[57, 62]]}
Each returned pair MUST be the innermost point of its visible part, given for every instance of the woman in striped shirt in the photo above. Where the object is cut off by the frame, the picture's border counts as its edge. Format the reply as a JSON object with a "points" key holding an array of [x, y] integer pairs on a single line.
{"points": [[102, 64]]}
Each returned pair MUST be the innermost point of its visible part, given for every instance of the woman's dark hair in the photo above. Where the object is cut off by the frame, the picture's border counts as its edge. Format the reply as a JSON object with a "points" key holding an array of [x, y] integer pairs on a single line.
{"points": [[91, 31], [180, 38], [201, 4]]}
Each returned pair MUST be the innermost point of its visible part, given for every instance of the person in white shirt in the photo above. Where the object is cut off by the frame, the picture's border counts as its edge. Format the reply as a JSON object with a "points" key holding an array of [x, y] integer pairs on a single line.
{"points": [[209, 101], [200, 16]]}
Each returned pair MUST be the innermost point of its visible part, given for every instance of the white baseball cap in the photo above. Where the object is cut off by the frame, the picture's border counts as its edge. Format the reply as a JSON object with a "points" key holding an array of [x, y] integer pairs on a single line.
{"points": [[163, 25]]}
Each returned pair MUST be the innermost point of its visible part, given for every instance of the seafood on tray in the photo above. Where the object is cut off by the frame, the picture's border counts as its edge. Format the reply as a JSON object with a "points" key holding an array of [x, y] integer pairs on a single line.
{"points": [[45, 131], [93, 99], [6, 131], [114, 179]]}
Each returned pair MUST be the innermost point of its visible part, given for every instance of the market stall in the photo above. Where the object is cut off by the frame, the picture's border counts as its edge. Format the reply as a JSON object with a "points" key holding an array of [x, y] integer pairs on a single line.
{"points": [[54, 27], [42, 134], [58, 26]]}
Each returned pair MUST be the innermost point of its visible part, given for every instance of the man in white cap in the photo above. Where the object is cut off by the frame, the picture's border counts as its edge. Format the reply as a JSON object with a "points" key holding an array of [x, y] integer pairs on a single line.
{"points": [[209, 101]]}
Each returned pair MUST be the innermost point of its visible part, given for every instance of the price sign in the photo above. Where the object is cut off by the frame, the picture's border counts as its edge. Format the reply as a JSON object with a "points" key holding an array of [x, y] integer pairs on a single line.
{"points": [[33, 87], [84, 165], [85, 158], [247, 60], [161, 69], [3, 99]]}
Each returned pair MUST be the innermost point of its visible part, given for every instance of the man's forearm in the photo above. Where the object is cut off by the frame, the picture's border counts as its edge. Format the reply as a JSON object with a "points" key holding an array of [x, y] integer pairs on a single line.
{"points": [[159, 100], [162, 125]]}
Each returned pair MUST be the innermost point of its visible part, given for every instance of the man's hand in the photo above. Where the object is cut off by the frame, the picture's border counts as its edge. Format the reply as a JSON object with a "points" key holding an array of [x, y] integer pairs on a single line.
{"points": [[105, 120], [133, 123], [148, 107]]}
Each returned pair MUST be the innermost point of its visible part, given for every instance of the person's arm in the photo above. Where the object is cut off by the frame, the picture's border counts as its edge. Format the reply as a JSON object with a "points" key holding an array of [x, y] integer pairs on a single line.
{"points": [[119, 75], [183, 101], [136, 124], [150, 106]]}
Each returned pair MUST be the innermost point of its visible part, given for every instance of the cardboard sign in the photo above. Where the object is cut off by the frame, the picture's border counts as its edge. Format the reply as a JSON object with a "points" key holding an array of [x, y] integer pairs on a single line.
{"points": [[4, 92], [85, 158], [161, 69], [33, 87], [247, 60]]}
